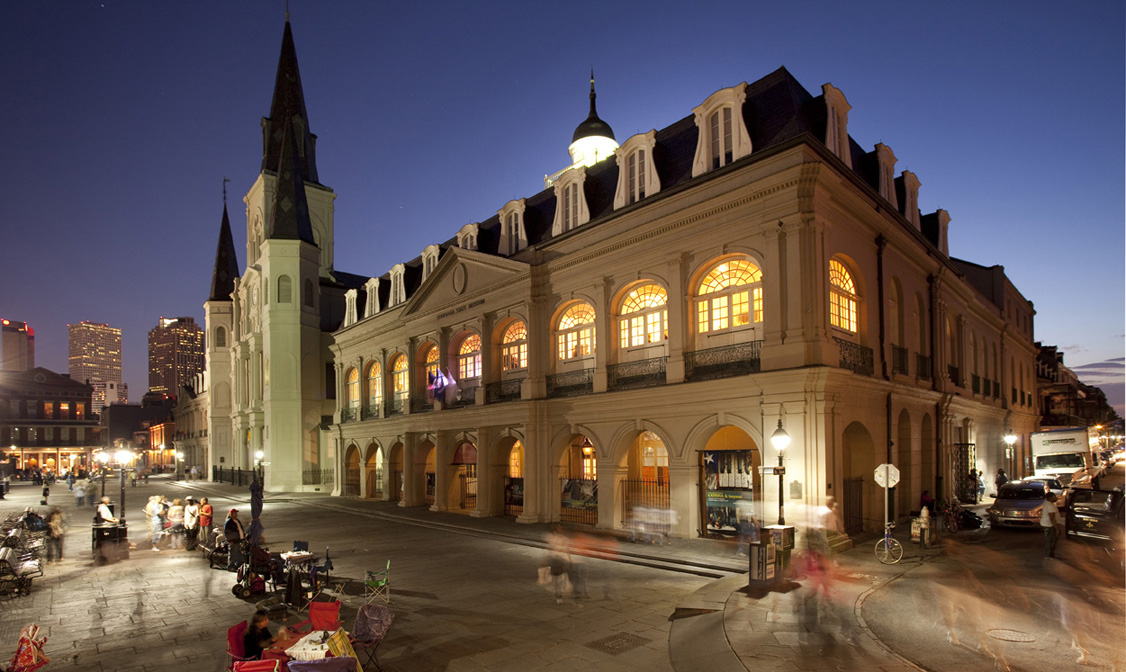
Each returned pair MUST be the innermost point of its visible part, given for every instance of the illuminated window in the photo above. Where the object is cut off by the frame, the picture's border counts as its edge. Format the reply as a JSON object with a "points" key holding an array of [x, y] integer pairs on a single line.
{"points": [[719, 135], [375, 385], [469, 357], [352, 391], [842, 297], [730, 297], [575, 334], [431, 362], [80, 411], [64, 410], [399, 377], [514, 354], [644, 316], [516, 461], [48, 409], [590, 460], [654, 459]]}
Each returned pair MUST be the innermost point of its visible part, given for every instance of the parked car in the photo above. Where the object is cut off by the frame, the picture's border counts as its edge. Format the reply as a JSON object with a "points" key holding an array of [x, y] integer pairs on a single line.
{"points": [[1054, 487], [1018, 504], [1098, 517]]}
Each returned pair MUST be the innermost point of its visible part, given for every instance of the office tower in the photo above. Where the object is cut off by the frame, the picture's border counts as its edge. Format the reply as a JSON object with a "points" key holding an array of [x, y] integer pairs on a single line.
{"points": [[17, 346], [175, 354], [95, 358]]}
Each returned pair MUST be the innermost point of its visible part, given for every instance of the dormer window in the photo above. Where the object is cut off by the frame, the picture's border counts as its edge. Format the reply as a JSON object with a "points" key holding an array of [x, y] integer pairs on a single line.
{"points": [[429, 260], [836, 123], [637, 178], [911, 186], [512, 235], [723, 136], [467, 237], [350, 307], [398, 291], [886, 160], [570, 207], [371, 287]]}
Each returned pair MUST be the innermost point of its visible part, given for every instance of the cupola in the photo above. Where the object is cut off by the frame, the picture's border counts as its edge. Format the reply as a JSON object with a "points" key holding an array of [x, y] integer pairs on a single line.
{"points": [[593, 140]]}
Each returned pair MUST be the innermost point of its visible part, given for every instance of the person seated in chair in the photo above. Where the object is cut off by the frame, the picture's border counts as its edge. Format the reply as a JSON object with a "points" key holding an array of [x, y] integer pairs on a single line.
{"points": [[258, 637]]}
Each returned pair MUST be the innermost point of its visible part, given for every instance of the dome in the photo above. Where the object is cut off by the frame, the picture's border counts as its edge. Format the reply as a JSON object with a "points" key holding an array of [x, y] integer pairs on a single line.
{"points": [[593, 127]]}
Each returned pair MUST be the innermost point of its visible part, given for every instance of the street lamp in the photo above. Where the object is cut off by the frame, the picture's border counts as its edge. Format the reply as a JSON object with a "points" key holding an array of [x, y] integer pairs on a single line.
{"points": [[123, 458], [780, 439], [103, 457], [179, 465], [1010, 439]]}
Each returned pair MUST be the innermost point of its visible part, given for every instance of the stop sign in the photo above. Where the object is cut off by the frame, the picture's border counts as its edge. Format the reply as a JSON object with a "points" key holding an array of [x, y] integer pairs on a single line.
{"points": [[887, 475]]}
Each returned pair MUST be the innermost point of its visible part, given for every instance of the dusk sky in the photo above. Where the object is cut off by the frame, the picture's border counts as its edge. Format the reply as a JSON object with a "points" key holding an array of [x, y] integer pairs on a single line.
{"points": [[119, 121]]}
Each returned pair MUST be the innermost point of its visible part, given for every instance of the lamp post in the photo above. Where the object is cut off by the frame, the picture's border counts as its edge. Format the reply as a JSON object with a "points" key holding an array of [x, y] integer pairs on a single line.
{"points": [[780, 439], [123, 458], [1010, 439], [102, 457], [179, 465]]}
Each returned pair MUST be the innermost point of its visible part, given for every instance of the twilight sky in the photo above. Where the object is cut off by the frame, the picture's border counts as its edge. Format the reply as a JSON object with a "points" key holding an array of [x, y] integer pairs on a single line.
{"points": [[120, 120]]}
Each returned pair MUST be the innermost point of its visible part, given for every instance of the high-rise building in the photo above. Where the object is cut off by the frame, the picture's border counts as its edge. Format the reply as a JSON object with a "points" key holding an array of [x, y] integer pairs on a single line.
{"points": [[95, 358], [17, 346], [175, 354]]}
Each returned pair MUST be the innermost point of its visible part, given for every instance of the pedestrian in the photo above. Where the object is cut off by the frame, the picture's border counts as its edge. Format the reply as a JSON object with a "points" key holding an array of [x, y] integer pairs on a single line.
{"points": [[1001, 479], [104, 515], [90, 487], [56, 528], [79, 494], [232, 530], [176, 518], [46, 494], [191, 523], [1049, 523], [154, 512], [558, 562], [70, 480], [926, 501], [206, 519], [980, 485]]}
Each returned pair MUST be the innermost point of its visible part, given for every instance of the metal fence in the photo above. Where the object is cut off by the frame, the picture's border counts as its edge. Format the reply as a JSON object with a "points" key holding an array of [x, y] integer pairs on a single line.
{"points": [[579, 501], [639, 374], [317, 477], [723, 362], [855, 357], [504, 390], [513, 496], [232, 475], [646, 506]]}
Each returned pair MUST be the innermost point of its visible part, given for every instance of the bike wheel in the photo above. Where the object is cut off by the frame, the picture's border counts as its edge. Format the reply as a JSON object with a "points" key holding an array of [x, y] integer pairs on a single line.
{"points": [[884, 552], [950, 522]]}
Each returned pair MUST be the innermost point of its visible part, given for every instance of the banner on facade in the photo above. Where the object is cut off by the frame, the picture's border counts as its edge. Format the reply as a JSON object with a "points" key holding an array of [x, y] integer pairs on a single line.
{"points": [[728, 469], [579, 494], [728, 493]]}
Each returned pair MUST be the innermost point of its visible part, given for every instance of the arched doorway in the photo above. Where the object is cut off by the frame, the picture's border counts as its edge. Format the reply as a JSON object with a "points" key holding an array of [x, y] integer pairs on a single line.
{"points": [[644, 495], [374, 470], [463, 488], [578, 501], [514, 480], [730, 482], [395, 465], [862, 497], [907, 495], [352, 472]]}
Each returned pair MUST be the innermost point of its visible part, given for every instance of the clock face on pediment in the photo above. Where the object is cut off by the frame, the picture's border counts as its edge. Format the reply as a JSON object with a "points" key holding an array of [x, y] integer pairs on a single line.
{"points": [[461, 275]]}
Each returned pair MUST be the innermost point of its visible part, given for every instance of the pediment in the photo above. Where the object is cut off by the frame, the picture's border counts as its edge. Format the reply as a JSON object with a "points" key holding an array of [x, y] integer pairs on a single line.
{"points": [[460, 275]]}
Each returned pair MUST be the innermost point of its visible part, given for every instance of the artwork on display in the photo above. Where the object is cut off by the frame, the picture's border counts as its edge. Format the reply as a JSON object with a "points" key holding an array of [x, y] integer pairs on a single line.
{"points": [[729, 494], [579, 494]]}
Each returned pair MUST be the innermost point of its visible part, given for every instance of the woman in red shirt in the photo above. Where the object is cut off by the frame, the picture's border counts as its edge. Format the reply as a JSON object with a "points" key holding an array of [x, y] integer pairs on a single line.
{"points": [[206, 515]]}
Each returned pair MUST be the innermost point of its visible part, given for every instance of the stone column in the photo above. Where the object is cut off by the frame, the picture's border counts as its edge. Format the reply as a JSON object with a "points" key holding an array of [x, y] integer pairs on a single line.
{"points": [[412, 480], [443, 455]]}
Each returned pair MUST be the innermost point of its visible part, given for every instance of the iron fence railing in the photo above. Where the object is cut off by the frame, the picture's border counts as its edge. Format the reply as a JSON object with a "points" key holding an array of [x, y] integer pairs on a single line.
{"points": [[232, 475], [571, 383], [421, 404], [579, 501], [466, 397], [723, 362], [633, 375], [393, 406], [347, 414], [369, 412], [898, 359], [317, 477], [855, 357], [922, 366], [513, 496], [503, 390]]}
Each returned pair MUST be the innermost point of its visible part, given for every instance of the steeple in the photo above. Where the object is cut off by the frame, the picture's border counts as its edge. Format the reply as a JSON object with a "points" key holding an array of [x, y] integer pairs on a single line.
{"points": [[287, 107], [593, 126], [226, 264], [290, 220]]}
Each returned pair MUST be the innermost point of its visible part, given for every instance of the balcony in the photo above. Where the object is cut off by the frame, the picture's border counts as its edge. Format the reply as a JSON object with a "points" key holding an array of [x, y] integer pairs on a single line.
{"points": [[922, 367], [370, 412], [975, 383], [898, 360], [636, 375], [466, 397], [571, 383], [393, 407], [348, 414], [723, 362], [504, 390], [954, 374], [855, 357], [420, 403]]}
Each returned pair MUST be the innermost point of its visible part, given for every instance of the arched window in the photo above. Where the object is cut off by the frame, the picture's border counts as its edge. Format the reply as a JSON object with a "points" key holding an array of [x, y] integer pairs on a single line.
{"points": [[431, 363], [469, 357], [285, 289], [842, 297], [352, 391], [308, 292], [374, 386], [731, 297], [575, 333], [516, 461], [399, 382], [645, 319], [514, 353], [220, 337]]}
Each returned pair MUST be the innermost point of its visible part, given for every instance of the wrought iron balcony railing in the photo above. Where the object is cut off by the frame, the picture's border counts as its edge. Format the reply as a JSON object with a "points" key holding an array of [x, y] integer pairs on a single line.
{"points": [[571, 383], [635, 375], [723, 362], [504, 390], [922, 367], [855, 357]]}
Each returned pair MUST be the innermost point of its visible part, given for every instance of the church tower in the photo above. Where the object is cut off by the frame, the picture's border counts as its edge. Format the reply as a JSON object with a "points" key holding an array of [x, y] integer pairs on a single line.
{"points": [[280, 381], [219, 323]]}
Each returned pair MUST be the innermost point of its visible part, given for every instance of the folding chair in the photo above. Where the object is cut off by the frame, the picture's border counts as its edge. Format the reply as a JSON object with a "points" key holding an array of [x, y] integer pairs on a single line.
{"points": [[258, 666], [235, 650], [372, 623], [378, 585], [322, 616]]}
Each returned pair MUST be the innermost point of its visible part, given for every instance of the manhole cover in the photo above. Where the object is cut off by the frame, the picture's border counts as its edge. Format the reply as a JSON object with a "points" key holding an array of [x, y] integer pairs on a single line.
{"points": [[1011, 636], [619, 643]]}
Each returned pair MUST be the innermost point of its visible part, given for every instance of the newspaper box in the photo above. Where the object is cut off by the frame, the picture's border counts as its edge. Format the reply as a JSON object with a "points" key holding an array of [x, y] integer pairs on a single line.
{"points": [[762, 559]]}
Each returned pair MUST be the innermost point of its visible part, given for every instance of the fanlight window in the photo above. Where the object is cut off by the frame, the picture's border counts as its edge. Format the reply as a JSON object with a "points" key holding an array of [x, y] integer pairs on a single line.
{"points": [[516, 461], [514, 353], [575, 336], [353, 391], [730, 297], [399, 377], [469, 357], [431, 362], [375, 385], [842, 297], [644, 316]]}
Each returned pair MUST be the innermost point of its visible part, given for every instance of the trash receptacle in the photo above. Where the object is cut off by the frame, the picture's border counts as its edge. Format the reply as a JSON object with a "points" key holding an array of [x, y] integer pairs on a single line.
{"points": [[109, 542]]}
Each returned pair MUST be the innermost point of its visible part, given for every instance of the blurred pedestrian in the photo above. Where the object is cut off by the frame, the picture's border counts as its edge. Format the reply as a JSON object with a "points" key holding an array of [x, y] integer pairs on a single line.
{"points": [[232, 530], [104, 515], [79, 494], [46, 494], [90, 487], [558, 562], [1001, 479], [176, 518], [154, 512], [1049, 523], [206, 520], [191, 523], [972, 481], [56, 529]]}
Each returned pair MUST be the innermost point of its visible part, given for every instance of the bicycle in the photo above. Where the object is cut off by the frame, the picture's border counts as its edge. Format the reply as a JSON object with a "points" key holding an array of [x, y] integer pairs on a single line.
{"points": [[888, 550], [949, 516]]}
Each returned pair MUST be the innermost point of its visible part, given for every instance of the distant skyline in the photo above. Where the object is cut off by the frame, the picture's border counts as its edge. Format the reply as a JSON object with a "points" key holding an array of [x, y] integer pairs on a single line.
{"points": [[123, 118]]}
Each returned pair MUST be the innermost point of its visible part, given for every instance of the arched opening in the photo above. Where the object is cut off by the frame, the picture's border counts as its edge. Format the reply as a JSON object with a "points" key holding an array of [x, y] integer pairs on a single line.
{"points": [[395, 467], [514, 480], [579, 482], [352, 472], [907, 494], [862, 496], [730, 482], [374, 470], [463, 494], [644, 496]]}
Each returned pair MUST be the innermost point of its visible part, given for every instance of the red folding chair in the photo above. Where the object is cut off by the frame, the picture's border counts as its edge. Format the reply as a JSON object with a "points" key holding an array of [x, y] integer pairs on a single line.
{"points": [[322, 616], [257, 666], [235, 650]]}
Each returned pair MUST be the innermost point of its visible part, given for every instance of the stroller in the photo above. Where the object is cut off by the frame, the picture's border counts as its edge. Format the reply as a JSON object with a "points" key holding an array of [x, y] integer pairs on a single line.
{"points": [[259, 566]]}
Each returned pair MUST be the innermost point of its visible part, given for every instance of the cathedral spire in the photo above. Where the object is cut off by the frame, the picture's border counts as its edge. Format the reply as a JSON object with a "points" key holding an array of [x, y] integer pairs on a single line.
{"points": [[290, 217], [288, 106], [226, 264]]}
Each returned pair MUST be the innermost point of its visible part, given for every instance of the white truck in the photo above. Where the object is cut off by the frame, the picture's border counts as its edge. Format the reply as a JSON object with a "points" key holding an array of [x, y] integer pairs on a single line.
{"points": [[1065, 454]]}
